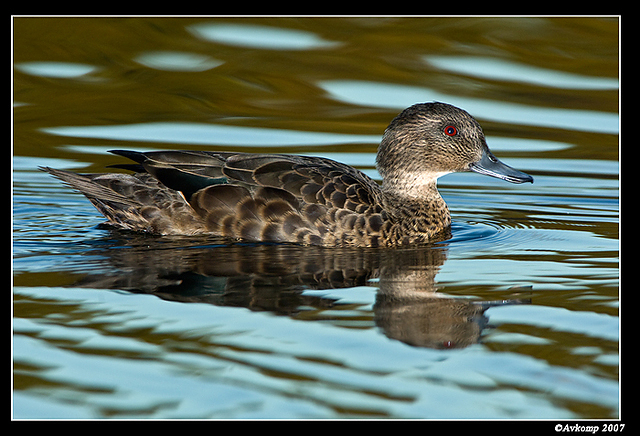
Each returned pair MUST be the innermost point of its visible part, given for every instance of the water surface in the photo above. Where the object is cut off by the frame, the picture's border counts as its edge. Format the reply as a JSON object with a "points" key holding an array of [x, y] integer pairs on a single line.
{"points": [[515, 316]]}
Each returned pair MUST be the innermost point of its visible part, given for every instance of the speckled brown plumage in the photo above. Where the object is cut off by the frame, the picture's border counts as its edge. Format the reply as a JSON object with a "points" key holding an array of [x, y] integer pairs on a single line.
{"points": [[298, 199]]}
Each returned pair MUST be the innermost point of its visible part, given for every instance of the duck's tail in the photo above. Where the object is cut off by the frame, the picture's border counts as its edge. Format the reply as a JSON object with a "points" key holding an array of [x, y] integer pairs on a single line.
{"points": [[134, 202]]}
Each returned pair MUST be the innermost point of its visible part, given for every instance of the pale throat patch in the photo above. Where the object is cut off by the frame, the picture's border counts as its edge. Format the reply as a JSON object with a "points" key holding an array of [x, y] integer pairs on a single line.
{"points": [[415, 184]]}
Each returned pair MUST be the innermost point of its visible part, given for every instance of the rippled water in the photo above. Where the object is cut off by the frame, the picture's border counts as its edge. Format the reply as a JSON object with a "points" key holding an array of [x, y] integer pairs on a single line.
{"points": [[515, 316]]}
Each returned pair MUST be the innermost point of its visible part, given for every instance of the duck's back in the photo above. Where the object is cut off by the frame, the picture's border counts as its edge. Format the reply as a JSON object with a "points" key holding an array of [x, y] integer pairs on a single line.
{"points": [[254, 197]]}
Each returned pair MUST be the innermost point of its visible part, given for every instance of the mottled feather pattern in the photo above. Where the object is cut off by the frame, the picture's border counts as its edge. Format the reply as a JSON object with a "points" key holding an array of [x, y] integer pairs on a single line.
{"points": [[288, 199], [242, 196]]}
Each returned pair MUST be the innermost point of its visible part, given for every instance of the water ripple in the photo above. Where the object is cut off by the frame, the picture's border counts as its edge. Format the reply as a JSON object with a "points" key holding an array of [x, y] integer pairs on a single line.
{"points": [[258, 36], [393, 96], [503, 70]]}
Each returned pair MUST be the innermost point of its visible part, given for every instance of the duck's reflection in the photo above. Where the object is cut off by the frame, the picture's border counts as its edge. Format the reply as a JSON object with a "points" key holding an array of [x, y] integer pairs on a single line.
{"points": [[273, 278]]}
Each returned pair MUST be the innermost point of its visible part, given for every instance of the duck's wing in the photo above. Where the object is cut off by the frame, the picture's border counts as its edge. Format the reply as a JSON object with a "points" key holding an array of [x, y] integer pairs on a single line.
{"points": [[269, 197]]}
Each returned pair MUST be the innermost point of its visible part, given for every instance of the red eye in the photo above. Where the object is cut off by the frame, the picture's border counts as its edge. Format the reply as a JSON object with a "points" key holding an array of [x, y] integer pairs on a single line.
{"points": [[450, 131]]}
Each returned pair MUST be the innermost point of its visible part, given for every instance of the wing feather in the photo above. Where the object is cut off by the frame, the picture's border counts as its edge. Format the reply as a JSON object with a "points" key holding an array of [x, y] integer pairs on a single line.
{"points": [[286, 198]]}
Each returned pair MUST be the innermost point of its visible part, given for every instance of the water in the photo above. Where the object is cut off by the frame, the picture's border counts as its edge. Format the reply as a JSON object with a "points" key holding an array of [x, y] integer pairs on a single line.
{"points": [[516, 316]]}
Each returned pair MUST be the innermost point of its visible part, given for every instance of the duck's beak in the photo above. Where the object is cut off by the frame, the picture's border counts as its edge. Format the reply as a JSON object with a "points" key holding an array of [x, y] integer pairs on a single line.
{"points": [[491, 166]]}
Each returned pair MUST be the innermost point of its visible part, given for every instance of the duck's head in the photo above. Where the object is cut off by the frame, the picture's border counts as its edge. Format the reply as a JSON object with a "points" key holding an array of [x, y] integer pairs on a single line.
{"points": [[429, 140]]}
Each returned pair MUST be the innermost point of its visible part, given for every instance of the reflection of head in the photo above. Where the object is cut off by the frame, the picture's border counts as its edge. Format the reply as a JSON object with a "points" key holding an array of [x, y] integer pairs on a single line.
{"points": [[430, 321]]}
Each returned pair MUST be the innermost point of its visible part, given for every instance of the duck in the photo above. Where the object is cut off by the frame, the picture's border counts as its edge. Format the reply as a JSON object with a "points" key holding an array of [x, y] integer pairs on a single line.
{"points": [[306, 200]]}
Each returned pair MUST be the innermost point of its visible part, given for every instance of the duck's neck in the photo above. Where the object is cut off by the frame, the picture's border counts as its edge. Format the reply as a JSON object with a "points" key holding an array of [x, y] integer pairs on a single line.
{"points": [[417, 205]]}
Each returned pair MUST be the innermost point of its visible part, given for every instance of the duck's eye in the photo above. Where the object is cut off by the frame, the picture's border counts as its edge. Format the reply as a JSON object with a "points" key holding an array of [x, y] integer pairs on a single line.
{"points": [[450, 131]]}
